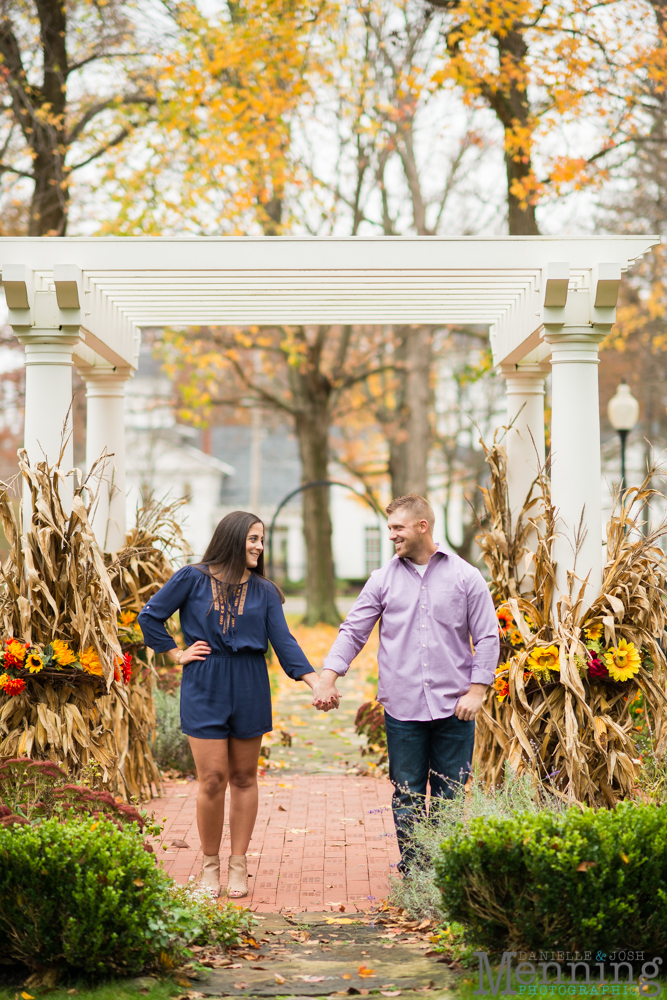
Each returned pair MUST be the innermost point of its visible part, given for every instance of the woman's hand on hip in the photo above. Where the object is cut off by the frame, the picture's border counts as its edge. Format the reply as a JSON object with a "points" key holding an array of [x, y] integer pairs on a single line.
{"points": [[197, 651]]}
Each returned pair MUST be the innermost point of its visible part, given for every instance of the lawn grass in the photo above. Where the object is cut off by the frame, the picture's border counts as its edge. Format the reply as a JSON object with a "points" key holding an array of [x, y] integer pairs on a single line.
{"points": [[111, 989]]}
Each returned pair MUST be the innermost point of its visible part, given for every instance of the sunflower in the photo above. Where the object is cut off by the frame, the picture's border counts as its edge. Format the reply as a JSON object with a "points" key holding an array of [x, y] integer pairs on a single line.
{"points": [[542, 661], [514, 637], [505, 619], [34, 663], [624, 661], [62, 654], [594, 632], [502, 687], [91, 663], [3, 680]]}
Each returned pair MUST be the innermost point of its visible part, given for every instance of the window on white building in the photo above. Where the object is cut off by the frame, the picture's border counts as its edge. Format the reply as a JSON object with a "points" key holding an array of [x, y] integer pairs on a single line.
{"points": [[372, 548]]}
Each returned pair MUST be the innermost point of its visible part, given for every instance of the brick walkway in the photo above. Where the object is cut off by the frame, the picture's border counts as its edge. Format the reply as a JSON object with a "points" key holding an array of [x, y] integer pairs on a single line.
{"points": [[324, 836], [320, 842]]}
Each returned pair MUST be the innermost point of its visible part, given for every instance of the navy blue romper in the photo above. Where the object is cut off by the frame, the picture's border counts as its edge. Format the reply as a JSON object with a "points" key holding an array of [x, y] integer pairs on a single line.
{"points": [[228, 693]]}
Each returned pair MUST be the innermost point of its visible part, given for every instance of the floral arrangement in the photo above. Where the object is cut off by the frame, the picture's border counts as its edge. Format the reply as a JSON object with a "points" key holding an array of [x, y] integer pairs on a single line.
{"points": [[20, 661], [596, 661]]}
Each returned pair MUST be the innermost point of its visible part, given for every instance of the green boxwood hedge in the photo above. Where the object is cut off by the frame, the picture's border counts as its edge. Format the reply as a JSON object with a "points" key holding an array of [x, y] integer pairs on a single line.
{"points": [[85, 896], [571, 881]]}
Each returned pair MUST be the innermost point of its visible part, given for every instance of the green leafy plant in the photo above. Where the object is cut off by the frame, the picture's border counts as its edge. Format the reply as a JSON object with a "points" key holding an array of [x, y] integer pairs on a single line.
{"points": [[170, 747], [575, 880], [87, 897]]}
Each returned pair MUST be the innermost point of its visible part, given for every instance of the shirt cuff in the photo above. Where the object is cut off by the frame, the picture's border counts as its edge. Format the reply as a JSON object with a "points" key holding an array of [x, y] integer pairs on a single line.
{"points": [[161, 648], [337, 665], [302, 671], [482, 674]]}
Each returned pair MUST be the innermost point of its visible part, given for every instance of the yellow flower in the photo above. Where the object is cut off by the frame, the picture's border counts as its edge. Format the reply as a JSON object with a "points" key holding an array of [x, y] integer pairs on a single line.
{"points": [[543, 660], [34, 663], [91, 663], [3, 679], [624, 661], [127, 617], [594, 631], [62, 654]]}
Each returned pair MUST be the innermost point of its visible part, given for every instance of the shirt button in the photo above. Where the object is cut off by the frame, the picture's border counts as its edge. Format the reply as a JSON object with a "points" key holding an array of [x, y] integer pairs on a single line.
{"points": [[423, 588], [423, 626], [426, 682], [425, 664], [423, 645]]}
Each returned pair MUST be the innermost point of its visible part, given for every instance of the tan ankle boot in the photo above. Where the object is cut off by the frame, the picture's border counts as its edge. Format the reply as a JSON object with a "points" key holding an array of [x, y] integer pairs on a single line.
{"points": [[210, 874], [237, 883]]}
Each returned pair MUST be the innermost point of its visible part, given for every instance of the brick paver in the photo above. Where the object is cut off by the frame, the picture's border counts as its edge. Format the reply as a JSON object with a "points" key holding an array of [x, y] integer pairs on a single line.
{"points": [[320, 841]]}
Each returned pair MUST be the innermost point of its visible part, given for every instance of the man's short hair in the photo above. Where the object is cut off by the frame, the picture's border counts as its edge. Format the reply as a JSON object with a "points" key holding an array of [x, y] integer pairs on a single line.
{"points": [[417, 507]]}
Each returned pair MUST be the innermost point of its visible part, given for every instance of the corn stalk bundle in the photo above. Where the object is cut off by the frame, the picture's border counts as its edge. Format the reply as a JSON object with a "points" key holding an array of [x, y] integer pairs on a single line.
{"points": [[54, 587], [561, 706], [137, 571]]}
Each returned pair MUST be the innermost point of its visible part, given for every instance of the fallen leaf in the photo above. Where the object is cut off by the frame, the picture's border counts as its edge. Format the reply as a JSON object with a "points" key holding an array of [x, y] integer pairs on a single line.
{"points": [[423, 924], [365, 972], [237, 965], [182, 981], [240, 986], [311, 979], [196, 995], [138, 883], [390, 993], [364, 993], [583, 866], [431, 953], [180, 843], [280, 979], [281, 809], [346, 975], [27, 996], [387, 946]]}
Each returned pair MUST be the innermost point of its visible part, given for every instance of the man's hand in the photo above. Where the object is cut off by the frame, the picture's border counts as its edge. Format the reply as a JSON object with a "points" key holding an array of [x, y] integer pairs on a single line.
{"points": [[325, 694], [469, 704]]}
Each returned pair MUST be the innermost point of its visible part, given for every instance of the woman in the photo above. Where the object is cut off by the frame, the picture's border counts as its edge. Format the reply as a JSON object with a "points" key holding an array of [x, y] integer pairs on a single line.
{"points": [[229, 611]]}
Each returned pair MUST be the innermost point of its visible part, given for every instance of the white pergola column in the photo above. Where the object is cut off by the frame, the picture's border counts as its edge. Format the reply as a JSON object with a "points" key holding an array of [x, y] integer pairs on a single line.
{"points": [[105, 432], [48, 390], [575, 454], [524, 386]]}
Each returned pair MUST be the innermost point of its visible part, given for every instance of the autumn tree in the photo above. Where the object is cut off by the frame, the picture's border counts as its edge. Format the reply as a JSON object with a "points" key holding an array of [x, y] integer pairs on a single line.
{"points": [[537, 67], [304, 373], [74, 84]]}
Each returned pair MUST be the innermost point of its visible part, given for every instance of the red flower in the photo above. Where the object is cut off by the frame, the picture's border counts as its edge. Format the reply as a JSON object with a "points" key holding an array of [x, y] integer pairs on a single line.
{"points": [[13, 686], [597, 669], [127, 668]]}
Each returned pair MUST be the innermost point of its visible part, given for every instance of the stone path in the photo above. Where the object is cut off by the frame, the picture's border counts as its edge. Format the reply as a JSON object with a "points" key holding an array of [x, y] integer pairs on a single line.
{"points": [[324, 837]]}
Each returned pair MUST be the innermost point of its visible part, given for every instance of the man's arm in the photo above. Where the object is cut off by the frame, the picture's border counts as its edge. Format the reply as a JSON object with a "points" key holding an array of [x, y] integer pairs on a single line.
{"points": [[483, 628], [352, 637]]}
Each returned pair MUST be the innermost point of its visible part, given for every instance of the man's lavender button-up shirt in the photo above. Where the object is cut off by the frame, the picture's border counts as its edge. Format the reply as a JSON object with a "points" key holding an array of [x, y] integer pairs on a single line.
{"points": [[425, 660]]}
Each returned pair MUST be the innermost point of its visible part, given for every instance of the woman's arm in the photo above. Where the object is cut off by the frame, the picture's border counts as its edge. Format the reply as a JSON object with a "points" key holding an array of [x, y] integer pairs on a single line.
{"points": [[159, 609], [290, 655]]}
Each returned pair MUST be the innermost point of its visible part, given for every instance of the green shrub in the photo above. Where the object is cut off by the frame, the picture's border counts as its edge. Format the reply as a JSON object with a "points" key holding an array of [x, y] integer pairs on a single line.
{"points": [[85, 896], [418, 892], [170, 747], [575, 881]]}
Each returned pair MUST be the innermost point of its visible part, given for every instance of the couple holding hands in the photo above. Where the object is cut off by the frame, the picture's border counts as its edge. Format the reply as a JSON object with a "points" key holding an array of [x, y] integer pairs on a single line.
{"points": [[438, 653]]}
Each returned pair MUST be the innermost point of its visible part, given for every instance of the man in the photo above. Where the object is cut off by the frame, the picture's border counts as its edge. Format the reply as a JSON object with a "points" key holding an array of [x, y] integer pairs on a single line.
{"points": [[432, 604]]}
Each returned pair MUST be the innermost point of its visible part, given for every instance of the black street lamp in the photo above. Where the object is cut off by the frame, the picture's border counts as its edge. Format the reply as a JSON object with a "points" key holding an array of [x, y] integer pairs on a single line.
{"points": [[623, 413]]}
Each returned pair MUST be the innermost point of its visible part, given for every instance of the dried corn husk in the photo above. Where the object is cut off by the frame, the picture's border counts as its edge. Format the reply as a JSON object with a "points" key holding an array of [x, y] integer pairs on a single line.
{"points": [[574, 734]]}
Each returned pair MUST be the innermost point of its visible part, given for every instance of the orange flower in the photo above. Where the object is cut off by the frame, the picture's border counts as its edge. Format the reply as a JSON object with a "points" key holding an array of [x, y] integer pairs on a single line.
{"points": [[90, 662], [127, 618], [62, 653], [15, 653], [505, 619]]}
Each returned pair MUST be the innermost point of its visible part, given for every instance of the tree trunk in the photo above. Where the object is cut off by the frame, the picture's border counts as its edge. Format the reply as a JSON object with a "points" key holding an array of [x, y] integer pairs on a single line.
{"points": [[410, 442], [312, 428], [50, 197]]}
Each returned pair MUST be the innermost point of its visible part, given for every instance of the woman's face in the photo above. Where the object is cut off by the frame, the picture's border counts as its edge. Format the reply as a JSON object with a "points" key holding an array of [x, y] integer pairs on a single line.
{"points": [[254, 545]]}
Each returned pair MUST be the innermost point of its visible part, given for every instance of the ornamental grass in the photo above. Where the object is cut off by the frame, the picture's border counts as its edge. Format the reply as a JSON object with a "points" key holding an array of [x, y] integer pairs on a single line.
{"points": [[570, 673], [76, 682]]}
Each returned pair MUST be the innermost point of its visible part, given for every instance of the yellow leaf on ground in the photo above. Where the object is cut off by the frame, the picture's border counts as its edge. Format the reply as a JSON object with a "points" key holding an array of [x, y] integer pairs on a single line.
{"points": [[280, 979], [27, 996], [363, 971]]}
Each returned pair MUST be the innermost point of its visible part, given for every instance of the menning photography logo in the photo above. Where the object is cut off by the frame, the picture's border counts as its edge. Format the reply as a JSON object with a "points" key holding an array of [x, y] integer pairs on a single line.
{"points": [[564, 973]]}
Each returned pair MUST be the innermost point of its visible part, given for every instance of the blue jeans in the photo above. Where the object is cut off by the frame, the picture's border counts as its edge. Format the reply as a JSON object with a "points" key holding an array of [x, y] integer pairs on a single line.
{"points": [[440, 752]]}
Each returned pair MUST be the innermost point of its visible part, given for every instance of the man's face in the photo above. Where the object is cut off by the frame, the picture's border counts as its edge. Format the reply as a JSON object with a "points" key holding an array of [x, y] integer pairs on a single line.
{"points": [[406, 534]]}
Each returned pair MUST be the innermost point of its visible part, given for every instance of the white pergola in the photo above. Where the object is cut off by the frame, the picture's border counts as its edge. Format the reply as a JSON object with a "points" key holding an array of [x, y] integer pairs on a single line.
{"points": [[548, 302]]}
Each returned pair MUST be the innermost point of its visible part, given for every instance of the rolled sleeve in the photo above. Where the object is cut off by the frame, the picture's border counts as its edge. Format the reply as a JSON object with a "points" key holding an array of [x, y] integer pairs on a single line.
{"points": [[355, 630], [483, 627]]}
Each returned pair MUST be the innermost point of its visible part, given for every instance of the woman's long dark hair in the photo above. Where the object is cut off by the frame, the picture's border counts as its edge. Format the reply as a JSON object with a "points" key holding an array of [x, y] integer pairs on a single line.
{"points": [[227, 549]]}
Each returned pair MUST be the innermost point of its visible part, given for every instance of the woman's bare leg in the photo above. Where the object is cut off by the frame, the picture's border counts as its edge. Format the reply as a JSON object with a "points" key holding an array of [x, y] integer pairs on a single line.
{"points": [[212, 763], [243, 791]]}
